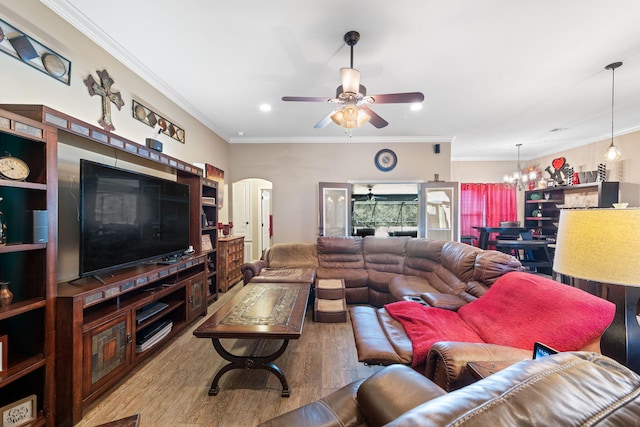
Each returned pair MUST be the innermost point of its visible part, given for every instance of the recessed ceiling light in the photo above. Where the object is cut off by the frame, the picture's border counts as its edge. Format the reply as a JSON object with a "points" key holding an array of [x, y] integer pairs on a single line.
{"points": [[265, 107], [240, 133], [416, 107]]}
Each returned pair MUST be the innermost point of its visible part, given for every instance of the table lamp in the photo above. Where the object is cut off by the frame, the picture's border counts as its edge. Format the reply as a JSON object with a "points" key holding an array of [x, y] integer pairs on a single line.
{"points": [[603, 245]]}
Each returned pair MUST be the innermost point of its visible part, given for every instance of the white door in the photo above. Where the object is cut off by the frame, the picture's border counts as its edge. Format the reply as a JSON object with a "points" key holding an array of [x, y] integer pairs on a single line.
{"points": [[265, 219], [241, 199]]}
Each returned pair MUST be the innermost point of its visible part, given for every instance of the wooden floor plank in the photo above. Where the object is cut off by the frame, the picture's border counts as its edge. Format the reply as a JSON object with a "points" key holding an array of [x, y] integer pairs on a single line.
{"points": [[171, 387]]}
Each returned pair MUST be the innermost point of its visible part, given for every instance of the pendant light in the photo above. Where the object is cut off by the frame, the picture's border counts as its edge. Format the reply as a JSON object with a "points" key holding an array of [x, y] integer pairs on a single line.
{"points": [[612, 154]]}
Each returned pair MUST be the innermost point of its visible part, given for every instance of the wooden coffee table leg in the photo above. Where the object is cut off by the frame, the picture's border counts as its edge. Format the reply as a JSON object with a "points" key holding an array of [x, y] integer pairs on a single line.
{"points": [[249, 362]]}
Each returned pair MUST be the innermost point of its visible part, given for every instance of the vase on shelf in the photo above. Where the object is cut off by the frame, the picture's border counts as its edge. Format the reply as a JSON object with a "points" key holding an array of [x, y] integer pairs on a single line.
{"points": [[6, 296]]}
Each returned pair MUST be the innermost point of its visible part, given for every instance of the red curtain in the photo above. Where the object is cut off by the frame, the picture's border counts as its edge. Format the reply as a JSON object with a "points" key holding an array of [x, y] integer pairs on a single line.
{"points": [[486, 205], [501, 204], [472, 201]]}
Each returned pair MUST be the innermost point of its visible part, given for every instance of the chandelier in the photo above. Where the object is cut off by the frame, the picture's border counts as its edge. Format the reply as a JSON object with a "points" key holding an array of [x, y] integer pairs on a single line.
{"points": [[518, 178]]}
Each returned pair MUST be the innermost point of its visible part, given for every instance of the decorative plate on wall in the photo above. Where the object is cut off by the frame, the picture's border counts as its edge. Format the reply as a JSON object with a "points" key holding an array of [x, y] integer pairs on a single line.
{"points": [[385, 160]]}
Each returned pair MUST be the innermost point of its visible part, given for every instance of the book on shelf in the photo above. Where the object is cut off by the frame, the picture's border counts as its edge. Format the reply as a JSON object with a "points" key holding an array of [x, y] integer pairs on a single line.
{"points": [[206, 243], [149, 310], [152, 334], [209, 201]]}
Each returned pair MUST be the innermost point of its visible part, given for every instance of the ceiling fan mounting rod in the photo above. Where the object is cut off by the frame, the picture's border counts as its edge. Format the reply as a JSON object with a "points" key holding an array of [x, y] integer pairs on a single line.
{"points": [[351, 39]]}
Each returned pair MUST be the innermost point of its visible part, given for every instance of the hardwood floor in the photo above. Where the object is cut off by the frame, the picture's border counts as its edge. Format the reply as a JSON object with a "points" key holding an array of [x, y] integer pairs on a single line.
{"points": [[170, 389]]}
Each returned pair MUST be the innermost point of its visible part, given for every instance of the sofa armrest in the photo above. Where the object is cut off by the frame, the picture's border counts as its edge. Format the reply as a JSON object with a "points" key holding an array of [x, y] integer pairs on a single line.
{"points": [[445, 301], [392, 391], [447, 361], [337, 409], [251, 269]]}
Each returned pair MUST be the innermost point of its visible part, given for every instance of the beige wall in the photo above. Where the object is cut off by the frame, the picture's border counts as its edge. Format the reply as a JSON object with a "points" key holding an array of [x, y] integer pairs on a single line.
{"points": [[21, 84], [296, 169]]}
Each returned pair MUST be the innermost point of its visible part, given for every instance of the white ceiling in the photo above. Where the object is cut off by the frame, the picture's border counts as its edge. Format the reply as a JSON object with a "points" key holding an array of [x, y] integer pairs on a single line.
{"points": [[494, 72]]}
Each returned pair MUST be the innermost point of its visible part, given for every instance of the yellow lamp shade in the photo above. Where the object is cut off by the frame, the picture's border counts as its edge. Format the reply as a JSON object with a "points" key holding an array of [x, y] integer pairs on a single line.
{"points": [[600, 245]]}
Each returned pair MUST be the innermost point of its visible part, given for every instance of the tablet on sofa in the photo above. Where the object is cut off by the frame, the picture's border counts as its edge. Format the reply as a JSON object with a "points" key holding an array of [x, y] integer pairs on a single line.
{"points": [[541, 350]]}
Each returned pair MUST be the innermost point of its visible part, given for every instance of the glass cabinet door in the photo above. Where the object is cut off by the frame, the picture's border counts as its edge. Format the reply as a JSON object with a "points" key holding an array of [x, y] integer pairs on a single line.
{"points": [[334, 204], [440, 210]]}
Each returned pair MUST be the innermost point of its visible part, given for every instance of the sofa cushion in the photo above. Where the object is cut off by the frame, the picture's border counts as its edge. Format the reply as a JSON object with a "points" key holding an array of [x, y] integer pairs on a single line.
{"points": [[380, 339], [291, 255], [379, 280], [384, 253], [460, 259], [422, 255], [565, 389], [490, 265], [353, 277], [340, 252], [522, 308], [285, 275], [406, 286]]}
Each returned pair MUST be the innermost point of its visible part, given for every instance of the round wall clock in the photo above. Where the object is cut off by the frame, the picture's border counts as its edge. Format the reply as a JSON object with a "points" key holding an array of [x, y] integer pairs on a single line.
{"points": [[13, 168], [385, 160]]}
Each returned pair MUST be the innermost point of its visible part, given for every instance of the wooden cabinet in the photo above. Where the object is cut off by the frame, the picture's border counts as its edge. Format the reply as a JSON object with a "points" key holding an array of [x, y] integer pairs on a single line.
{"points": [[105, 330], [204, 222], [230, 259], [29, 267], [542, 207], [92, 330]]}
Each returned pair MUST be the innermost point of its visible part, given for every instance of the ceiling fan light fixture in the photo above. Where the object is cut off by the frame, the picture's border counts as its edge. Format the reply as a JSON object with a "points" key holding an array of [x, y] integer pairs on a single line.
{"points": [[350, 78], [350, 116]]}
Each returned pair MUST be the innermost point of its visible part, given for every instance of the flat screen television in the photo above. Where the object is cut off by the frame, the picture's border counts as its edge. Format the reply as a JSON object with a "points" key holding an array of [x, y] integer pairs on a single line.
{"points": [[128, 218]]}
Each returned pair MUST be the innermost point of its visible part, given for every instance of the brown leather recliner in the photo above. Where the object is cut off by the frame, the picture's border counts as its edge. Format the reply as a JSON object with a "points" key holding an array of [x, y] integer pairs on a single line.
{"points": [[518, 310], [565, 389]]}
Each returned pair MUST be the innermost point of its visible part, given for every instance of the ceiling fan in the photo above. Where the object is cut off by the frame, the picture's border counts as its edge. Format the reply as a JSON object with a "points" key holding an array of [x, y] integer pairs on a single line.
{"points": [[371, 196], [353, 110]]}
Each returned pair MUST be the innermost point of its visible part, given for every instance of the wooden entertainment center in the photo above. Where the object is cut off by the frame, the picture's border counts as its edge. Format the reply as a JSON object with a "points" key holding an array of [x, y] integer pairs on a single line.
{"points": [[98, 325]]}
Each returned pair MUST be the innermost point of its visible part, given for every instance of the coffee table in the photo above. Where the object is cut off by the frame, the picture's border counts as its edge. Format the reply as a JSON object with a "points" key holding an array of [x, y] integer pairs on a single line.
{"points": [[258, 311]]}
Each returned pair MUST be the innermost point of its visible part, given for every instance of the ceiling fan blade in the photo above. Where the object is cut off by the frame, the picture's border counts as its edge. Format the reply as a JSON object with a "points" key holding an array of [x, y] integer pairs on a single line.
{"points": [[305, 99], [374, 118], [398, 98], [324, 122]]}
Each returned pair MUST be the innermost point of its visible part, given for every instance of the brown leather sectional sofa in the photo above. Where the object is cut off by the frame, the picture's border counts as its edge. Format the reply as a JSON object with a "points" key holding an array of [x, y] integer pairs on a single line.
{"points": [[380, 270], [565, 389]]}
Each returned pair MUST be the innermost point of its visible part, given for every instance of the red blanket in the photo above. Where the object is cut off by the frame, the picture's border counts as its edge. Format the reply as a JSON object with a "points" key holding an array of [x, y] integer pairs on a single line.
{"points": [[522, 308], [427, 325], [518, 310]]}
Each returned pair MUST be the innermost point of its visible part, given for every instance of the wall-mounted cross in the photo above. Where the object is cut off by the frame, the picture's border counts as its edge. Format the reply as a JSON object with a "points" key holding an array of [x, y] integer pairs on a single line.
{"points": [[108, 96]]}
